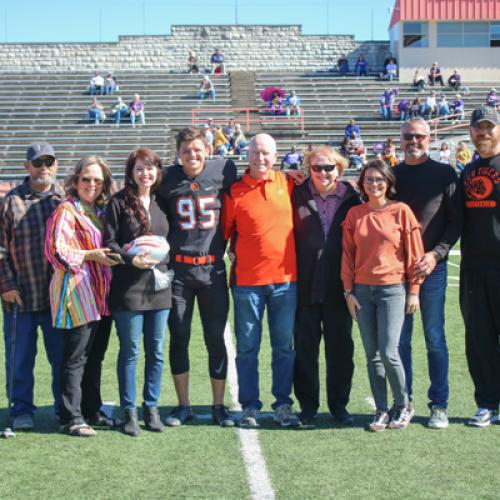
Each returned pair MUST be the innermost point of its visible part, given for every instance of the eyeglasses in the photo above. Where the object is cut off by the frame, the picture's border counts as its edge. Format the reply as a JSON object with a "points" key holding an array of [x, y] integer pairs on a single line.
{"points": [[48, 162], [325, 168], [374, 180], [410, 137], [90, 180]]}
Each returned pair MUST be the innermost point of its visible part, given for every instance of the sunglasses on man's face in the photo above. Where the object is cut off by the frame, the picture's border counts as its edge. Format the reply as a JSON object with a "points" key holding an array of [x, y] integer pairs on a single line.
{"points": [[326, 168], [48, 162], [410, 137]]}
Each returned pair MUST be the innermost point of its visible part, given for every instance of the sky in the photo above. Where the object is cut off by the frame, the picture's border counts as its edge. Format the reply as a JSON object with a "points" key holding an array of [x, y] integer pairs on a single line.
{"points": [[25, 21]]}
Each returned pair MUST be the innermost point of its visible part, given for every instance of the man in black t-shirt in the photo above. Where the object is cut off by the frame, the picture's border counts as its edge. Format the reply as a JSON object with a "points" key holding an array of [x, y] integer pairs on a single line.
{"points": [[430, 189], [191, 196], [480, 265]]}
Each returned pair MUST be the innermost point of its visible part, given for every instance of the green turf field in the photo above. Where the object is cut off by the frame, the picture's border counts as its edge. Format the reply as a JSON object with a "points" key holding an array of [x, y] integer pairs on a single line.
{"points": [[202, 461]]}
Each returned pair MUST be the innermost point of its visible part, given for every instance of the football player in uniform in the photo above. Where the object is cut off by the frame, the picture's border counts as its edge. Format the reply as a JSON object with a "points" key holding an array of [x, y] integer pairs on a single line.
{"points": [[191, 195]]}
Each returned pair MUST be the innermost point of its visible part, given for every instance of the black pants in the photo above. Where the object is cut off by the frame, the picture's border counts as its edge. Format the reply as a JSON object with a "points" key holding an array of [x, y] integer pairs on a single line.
{"points": [[480, 305], [84, 349], [212, 295], [334, 322]]}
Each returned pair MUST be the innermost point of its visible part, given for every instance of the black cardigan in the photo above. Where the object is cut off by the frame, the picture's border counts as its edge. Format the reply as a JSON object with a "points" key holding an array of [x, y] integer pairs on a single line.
{"points": [[132, 289], [318, 260]]}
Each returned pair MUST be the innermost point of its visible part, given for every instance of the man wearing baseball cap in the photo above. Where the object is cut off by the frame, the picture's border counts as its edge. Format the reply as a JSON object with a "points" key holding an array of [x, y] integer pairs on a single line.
{"points": [[480, 264], [24, 281]]}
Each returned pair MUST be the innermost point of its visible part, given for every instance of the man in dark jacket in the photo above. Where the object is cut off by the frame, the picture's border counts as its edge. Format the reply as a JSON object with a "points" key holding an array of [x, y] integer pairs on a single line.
{"points": [[319, 207]]}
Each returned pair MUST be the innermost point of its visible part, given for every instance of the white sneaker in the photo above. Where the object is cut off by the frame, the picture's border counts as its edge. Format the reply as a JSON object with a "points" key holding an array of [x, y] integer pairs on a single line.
{"points": [[249, 420]]}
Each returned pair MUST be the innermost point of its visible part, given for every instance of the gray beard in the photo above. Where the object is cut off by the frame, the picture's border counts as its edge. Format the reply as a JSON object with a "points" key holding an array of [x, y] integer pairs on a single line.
{"points": [[42, 181]]}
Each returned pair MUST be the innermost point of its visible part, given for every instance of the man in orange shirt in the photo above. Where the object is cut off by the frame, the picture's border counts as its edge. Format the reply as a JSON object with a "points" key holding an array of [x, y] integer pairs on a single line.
{"points": [[257, 216]]}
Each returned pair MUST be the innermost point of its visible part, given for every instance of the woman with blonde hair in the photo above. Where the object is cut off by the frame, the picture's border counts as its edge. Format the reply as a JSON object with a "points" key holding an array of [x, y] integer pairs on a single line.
{"points": [[320, 205], [79, 293]]}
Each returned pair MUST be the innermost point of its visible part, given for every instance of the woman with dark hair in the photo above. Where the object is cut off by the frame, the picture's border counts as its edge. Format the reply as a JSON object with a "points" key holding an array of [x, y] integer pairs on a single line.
{"points": [[381, 244], [79, 293], [139, 302], [320, 205]]}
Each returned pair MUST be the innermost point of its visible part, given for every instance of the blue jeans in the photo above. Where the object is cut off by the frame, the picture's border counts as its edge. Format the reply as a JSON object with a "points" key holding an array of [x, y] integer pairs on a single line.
{"points": [[204, 94], [25, 350], [380, 319], [249, 304], [96, 115], [432, 299], [141, 118], [403, 115], [122, 113], [131, 326], [109, 89]]}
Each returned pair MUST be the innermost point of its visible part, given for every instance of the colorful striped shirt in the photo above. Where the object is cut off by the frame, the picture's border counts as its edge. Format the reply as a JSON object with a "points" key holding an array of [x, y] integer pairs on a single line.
{"points": [[79, 289]]}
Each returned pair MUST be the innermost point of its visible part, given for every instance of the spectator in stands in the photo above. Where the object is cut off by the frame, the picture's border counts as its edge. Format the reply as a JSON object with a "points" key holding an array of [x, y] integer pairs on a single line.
{"points": [[209, 137], [79, 292], [445, 154], [381, 244], [136, 110], [229, 131], [206, 89], [353, 127], [391, 70], [416, 107], [430, 105], [221, 142], [319, 208], [96, 111], [292, 104], [217, 62], [24, 284], [443, 107], [419, 81], [388, 59], [361, 66], [111, 85], [193, 67], [459, 107], [343, 65], [357, 156], [435, 75], [96, 85], [120, 110], [139, 306], [404, 106], [292, 160], [492, 98], [389, 153], [240, 141], [276, 104], [463, 155], [387, 102], [454, 80]]}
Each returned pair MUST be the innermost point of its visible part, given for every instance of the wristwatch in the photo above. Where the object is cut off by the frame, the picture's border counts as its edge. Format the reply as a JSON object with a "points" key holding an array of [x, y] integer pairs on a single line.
{"points": [[347, 293]]}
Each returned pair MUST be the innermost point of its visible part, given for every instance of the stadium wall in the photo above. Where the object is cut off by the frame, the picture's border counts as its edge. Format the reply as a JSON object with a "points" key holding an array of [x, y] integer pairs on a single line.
{"points": [[246, 47]]}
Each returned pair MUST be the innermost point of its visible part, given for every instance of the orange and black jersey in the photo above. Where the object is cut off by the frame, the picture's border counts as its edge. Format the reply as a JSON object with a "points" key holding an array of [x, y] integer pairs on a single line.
{"points": [[193, 207]]}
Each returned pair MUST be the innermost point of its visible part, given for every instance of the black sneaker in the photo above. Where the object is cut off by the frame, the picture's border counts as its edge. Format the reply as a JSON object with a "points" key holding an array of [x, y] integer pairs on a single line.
{"points": [[179, 415], [100, 420], [307, 418], [342, 417], [221, 416]]}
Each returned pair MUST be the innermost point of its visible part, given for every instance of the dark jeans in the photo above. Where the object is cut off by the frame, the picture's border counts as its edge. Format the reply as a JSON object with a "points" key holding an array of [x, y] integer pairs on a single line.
{"points": [[25, 350], [333, 321], [479, 293], [81, 370]]}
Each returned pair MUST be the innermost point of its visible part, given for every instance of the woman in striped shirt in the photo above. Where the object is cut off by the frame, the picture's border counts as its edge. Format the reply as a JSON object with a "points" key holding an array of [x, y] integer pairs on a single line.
{"points": [[79, 291]]}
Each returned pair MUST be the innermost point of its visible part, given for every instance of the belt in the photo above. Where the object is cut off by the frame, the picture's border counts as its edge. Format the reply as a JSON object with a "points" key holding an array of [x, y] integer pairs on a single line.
{"points": [[197, 260]]}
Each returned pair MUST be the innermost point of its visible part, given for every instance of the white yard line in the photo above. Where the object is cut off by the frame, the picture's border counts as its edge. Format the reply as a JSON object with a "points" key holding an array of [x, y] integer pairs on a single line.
{"points": [[255, 465]]}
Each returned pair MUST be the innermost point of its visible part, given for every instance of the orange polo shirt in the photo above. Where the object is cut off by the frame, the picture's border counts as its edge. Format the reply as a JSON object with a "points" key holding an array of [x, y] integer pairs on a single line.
{"points": [[257, 216]]}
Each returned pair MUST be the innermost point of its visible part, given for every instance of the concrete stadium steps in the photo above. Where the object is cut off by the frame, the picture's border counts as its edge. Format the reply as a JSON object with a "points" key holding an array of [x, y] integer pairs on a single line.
{"points": [[54, 107]]}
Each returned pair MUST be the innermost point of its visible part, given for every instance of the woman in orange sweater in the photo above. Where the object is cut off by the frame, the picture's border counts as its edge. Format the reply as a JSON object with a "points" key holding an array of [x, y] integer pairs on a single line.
{"points": [[381, 243]]}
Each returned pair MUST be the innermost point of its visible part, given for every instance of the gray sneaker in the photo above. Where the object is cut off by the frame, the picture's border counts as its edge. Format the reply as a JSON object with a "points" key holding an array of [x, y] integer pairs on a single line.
{"points": [[483, 417], [438, 418], [284, 415], [249, 419], [23, 422], [179, 416]]}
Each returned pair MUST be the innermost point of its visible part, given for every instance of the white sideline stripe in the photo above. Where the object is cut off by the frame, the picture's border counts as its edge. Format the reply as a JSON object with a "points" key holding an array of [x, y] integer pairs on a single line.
{"points": [[255, 465], [453, 278], [454, 252]]}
